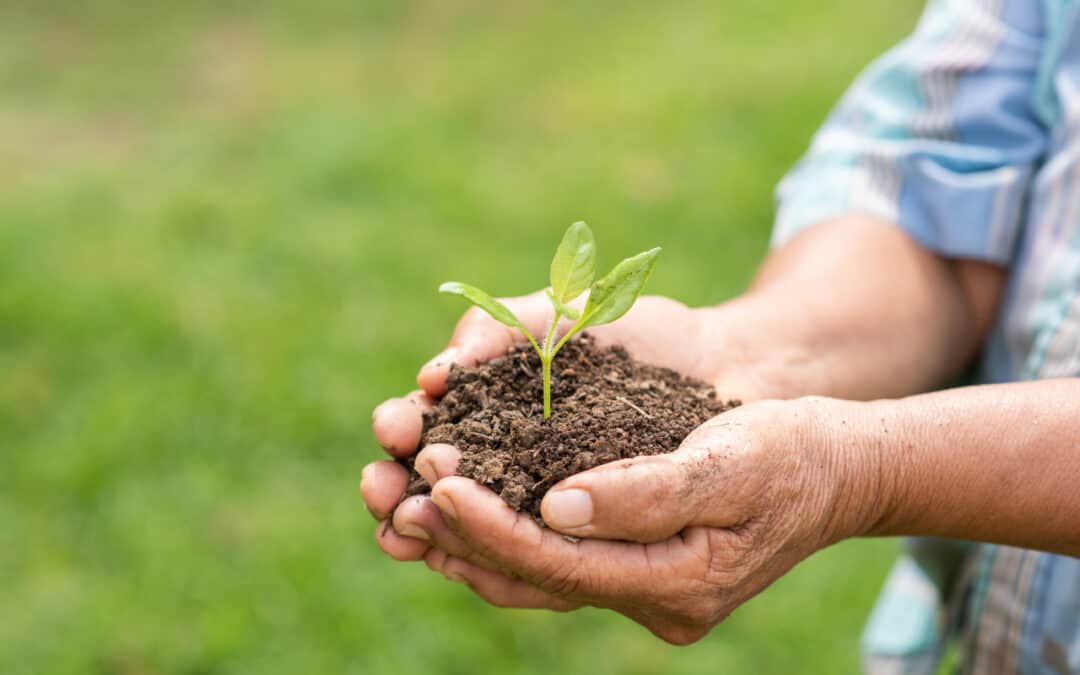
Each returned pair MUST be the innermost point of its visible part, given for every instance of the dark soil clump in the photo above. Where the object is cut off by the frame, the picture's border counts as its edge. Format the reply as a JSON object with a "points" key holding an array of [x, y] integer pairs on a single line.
{"points": [[605, 407]]}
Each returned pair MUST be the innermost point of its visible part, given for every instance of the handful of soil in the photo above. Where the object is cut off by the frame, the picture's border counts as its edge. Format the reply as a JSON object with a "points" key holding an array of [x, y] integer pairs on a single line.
{"points": [[606, 407]]}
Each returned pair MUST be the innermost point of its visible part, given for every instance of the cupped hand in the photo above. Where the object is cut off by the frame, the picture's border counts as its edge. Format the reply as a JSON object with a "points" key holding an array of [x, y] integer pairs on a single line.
{"points": [[656, 330], [747, 496]]}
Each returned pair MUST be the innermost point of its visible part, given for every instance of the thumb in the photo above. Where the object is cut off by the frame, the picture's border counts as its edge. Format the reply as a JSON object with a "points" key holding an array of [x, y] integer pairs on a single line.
{"points": [[651, 498]]}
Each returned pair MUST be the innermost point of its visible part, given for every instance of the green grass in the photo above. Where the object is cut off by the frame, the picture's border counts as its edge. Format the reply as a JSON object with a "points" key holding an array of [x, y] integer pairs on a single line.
{"points": [[221, 228]]}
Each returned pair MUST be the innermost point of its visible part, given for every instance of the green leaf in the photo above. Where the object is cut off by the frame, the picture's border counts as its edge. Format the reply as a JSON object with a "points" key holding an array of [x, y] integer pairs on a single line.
{"points": [[566, 310], [574, 266], [496, 309], [614, 295]]}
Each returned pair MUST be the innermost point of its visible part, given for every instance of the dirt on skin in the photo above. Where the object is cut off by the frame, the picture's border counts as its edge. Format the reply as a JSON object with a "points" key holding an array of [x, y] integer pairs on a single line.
{"points": [[605, 407]]}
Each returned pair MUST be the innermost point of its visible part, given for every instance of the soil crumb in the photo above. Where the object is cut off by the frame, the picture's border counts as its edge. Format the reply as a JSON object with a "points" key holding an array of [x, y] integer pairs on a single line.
{"points": [[605, 407]]}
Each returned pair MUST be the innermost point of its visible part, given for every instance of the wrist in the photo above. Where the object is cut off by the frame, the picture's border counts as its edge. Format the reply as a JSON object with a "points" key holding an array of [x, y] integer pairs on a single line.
{"points": [[888, 441], [751, 350], [848, 443]]}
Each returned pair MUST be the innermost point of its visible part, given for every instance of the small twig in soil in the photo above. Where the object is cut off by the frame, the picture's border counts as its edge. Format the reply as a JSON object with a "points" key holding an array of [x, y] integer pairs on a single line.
{"points": [[527, 370], [536, 486], [623, 400]]}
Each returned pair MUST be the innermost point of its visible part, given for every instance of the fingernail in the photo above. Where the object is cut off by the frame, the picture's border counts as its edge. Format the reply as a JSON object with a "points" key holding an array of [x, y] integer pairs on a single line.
{"points": [[445, 505], [411, 530], [567, 509], [454, 576], [446, 357], [426, 469]]}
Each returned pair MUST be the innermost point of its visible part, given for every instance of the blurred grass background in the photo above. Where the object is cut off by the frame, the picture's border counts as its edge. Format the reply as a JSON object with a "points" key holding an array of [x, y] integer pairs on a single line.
{"points": [[221, 227]]}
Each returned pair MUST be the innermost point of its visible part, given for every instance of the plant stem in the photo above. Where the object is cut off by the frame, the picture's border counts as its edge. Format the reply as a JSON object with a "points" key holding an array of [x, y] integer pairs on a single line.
{"points": [[532, 341], [551, 334], [545, 360], [547, 388]]}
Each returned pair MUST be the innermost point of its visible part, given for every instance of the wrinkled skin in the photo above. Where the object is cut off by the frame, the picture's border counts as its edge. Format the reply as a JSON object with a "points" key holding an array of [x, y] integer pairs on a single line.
{"points": [[747, 496]]}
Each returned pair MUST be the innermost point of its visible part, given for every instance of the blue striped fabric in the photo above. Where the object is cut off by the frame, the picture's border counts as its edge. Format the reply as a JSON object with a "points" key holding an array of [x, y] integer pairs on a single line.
{"points": [[967, 135]]}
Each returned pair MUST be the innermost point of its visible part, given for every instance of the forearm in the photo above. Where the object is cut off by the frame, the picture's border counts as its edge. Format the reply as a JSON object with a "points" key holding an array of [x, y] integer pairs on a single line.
{"points": [[996, 463], [855, 309]]}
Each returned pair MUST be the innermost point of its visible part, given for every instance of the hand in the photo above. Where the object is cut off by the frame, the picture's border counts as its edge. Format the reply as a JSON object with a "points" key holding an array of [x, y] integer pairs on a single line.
{"points": [[655, 330], [747, 496]]}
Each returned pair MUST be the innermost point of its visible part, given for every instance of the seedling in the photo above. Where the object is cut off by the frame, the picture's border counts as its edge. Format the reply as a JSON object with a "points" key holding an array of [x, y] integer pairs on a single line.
{"points": [[572, 272]]}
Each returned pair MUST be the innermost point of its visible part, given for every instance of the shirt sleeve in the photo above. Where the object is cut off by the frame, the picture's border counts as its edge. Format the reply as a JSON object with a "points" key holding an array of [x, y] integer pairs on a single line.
{"points": [[940, 135]]}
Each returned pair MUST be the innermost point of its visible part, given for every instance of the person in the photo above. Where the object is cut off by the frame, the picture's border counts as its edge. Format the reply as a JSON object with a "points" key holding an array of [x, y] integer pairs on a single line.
{"points": [[932, 230]]}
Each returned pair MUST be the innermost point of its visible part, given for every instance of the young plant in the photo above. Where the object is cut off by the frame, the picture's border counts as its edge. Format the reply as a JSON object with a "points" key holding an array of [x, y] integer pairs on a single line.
{"points": [[572, 272]]}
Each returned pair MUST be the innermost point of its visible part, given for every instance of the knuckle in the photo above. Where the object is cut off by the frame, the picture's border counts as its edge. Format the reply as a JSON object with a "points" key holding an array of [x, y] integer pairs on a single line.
{"points": [[656, 485], [477, 326], [474, 552], [654, 495], [476, 547], [729, 559], [435, 559], [656, 527], [475, 558], [473, 315], [561, 580], [456, 569]]}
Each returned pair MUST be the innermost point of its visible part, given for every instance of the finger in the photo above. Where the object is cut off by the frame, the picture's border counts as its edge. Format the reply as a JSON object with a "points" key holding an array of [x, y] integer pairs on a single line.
{"points": [[478, 338], [417, 517], [381, 485], [432, 376], [632, 500], [437, 461], [499, 589], [577, 571], [398, 546], [398, 424], [649, 499], [421, 399], [435, 559]]}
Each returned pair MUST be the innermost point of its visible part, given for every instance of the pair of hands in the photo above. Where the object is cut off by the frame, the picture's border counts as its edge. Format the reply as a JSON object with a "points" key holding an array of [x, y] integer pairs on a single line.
{"points": [[674, 542]]}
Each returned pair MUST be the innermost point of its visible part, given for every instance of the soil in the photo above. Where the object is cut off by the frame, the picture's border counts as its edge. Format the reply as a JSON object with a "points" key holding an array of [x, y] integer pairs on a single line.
{"points": [[605, 406]]}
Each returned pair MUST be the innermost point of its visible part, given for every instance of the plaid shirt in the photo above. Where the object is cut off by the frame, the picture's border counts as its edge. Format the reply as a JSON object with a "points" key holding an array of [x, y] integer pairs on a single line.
{"points": [[967, 135]]}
